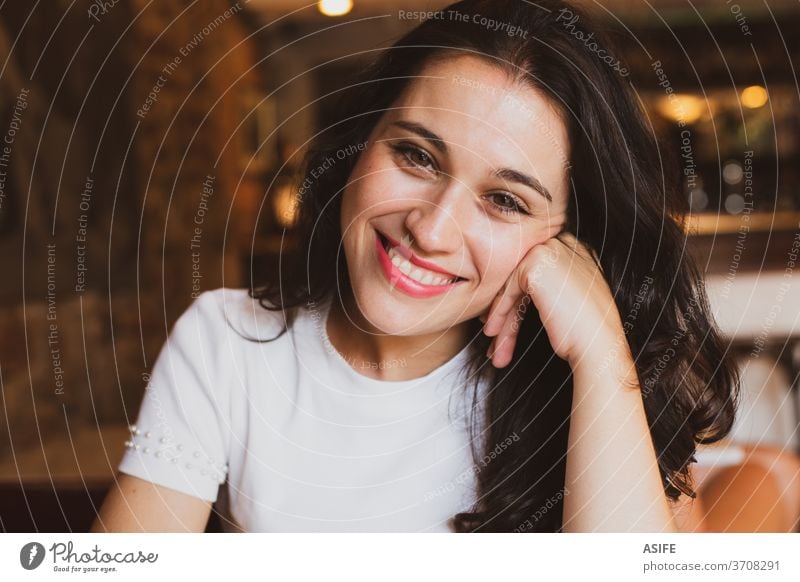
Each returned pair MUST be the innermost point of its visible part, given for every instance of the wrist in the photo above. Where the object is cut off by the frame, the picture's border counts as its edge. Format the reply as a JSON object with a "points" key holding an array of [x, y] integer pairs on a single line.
{"points": [[608, 355]]}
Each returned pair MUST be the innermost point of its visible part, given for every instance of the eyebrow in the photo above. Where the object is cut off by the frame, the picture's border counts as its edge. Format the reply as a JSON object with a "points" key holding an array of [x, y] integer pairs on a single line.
{"points": [[425, 133], [503, 173], [524, 179]]}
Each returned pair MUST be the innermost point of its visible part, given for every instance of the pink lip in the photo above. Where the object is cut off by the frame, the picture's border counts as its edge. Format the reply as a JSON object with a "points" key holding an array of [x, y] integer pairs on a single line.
{"points": [[404, 283], [415, 260]]}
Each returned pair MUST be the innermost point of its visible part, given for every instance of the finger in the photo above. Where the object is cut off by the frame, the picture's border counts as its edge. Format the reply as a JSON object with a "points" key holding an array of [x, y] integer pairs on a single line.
{"points": [[568, 240], [488, 314], [578, 246], [504, 304], [566, 237], [506, 340]]}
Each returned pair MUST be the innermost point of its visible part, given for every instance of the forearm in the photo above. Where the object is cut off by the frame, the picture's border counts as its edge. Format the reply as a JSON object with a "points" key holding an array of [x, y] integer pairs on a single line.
{"points": [[612, 477]]}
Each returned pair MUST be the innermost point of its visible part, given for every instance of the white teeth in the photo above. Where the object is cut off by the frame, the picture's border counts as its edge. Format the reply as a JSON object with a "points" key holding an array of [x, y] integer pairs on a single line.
{"points": [[423, 276]]}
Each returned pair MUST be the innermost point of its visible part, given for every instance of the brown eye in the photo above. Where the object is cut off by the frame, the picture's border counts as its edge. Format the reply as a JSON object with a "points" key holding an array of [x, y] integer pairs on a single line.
{"points": [[507, 203], [419, 157], [415, 156]]}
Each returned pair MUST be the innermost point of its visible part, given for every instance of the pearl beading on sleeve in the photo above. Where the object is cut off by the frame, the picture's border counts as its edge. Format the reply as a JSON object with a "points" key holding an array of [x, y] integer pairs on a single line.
{"points": [[162, 448]]}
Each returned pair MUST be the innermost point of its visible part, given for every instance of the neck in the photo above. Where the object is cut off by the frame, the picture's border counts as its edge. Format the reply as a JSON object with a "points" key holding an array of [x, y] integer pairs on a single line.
{"points": [[389, 357]]}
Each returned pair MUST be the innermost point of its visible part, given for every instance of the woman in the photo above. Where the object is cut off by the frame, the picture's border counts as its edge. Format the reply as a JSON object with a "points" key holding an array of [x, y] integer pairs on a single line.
{"points": [[490, 202]]}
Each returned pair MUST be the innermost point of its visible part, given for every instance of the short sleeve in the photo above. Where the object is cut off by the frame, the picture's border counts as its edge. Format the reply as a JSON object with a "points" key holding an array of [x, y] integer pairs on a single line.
{"points": [[180, 438]]}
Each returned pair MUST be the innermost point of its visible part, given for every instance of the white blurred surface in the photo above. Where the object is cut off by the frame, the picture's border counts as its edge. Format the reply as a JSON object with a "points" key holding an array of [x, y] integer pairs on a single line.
{"points": [[756, 305]]}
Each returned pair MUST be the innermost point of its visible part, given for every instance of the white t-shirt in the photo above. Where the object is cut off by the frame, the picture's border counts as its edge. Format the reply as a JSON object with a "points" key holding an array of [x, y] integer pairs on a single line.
{"points": [[299, 440]]}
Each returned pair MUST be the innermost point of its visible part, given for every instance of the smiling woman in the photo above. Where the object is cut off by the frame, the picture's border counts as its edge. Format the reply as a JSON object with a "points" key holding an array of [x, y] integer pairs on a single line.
{"points": [[509, 202], [460, 177]]}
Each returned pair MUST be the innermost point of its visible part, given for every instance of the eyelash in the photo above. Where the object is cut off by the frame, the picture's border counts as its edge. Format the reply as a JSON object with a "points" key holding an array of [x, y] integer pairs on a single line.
{"points": [[406, 149]]}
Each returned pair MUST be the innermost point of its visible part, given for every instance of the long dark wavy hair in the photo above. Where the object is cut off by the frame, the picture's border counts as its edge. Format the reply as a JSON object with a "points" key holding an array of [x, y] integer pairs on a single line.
{"points": [[624, 204]]}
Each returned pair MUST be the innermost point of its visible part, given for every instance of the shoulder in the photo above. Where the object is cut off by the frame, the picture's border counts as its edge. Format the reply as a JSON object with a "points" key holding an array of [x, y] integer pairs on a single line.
{"points": [[229, 309], [215, 330]]}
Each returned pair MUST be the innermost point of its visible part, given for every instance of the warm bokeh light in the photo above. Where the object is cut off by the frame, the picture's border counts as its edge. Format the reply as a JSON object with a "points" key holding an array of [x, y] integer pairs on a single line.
{"points": [[335, 7], [754, 97], [682, 107], [285, 203]]}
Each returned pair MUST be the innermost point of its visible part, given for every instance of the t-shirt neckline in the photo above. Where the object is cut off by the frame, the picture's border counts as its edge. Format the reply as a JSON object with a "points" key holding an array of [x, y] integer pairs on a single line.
{"points": [[319, 330]]}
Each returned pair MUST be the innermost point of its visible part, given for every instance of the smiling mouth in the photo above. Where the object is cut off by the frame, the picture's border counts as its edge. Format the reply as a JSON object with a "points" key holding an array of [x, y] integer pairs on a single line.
{"points": [[415, 272]]}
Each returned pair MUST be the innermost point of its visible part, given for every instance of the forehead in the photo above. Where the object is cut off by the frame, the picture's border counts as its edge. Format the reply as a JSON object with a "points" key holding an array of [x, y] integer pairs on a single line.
{"points": [[476, 105]]}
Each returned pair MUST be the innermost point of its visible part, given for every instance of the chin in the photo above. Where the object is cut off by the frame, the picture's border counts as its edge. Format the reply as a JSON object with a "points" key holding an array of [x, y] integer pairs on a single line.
{"points": [[390, 312], [392, 315]]}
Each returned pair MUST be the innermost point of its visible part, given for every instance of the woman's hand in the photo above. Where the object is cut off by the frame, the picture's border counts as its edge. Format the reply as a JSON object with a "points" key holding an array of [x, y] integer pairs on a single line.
{"points": [[565, 283]]}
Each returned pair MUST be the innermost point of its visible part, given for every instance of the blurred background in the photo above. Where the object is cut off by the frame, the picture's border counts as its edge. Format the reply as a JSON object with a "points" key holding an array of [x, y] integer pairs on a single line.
{"points": [[151, 151]]}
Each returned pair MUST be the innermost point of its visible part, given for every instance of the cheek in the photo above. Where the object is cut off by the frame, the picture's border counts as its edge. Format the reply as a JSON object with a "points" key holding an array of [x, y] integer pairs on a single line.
{"points": [[497, 260], [496, 276], [359, 194], [362, 197], [368, 194], [377, 182]]}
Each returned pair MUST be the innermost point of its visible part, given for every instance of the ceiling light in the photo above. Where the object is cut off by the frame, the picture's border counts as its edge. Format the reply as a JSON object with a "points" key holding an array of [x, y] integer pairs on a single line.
{"points": [[335, 7], [682, 107], [754, 97]]}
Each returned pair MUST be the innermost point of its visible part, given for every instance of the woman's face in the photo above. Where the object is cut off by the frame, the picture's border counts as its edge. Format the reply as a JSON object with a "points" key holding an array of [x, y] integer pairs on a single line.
{"points": [[461, 177]]}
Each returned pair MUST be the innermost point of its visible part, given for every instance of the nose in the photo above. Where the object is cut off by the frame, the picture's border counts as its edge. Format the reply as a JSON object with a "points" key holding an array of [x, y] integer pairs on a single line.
{"points": [[435, 224]]}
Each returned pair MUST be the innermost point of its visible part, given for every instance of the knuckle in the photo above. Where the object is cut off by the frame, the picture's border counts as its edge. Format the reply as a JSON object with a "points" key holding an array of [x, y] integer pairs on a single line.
{"points": [[542, 254]]}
